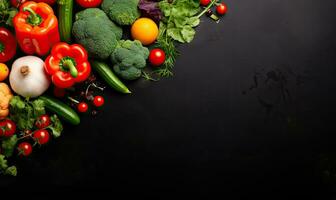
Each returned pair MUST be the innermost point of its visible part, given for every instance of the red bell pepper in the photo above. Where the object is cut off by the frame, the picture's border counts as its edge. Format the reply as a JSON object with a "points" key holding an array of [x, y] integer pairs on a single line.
{"points": [[7, 45], [67, 64], [36, 28]]}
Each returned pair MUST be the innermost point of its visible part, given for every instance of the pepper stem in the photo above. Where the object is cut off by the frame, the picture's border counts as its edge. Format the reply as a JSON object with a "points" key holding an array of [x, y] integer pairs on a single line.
{"points": [[2, 47], [69, 64], [33, 19]]}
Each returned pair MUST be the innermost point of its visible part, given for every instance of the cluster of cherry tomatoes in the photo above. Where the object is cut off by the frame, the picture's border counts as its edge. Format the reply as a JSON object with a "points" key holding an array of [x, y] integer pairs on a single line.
{"points": [[40, 136]]}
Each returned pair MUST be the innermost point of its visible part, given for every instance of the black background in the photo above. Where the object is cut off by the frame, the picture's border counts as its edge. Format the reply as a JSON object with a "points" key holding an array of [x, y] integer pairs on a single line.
{"points": [[250, 110]]}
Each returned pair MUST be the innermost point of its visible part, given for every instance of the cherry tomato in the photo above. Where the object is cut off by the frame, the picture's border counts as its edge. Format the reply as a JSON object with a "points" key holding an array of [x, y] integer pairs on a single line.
{"points": [[25, 148], [59, 92], [42, 122], [7, 128], [157, 57], [17, 3], [41, 136], [82, 107], [98, 101], [89, 3], [221, 9], [205, 2]]}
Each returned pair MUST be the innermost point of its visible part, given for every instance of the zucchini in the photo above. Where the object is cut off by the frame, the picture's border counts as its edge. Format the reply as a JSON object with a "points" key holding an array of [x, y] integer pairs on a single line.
{"points": [[65, 10], [61, 109], [109, 77]]}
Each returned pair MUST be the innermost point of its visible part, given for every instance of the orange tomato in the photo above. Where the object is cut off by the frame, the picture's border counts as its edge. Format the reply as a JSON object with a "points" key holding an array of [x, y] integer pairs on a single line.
{"points": [[145, 30], [4, 71]]}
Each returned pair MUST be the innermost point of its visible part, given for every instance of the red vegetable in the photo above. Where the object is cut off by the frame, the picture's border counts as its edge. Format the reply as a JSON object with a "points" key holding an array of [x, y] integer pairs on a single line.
{"points": [[89, 3], [43, 121], [82, 107], [41, 136], [17, 3], [59, 92], [98, 101], [205, 2], [221, 9], [7, 45], [157, 57], [50, 2], [36, 28], [7, 128], [67, 65], [25, 148]]}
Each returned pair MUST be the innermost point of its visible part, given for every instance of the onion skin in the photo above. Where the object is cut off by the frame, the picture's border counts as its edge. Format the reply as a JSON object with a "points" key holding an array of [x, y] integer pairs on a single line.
{"points": [[28, 78]]}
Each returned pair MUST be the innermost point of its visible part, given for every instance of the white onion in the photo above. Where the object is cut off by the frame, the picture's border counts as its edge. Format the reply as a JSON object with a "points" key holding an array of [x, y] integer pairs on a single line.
{"points": [[28, 78]]}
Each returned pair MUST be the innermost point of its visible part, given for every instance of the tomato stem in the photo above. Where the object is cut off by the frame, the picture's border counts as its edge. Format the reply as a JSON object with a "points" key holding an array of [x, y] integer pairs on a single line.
{"points": [[207, 8], [33, 19], [73, 100]]}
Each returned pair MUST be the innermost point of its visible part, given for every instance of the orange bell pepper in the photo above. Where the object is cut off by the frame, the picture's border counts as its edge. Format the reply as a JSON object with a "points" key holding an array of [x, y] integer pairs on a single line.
{"points": [[36, 28]]}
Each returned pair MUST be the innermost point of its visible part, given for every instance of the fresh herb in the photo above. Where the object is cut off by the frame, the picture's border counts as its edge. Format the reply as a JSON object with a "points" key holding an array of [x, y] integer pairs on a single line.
{"points": [[6, 13], [180, 19], [5, 169], [56, 126], [8, 145], [25, 112]]}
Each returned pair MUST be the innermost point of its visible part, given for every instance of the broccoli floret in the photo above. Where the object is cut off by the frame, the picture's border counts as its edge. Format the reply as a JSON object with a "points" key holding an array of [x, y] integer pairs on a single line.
{"points": [[123, 12], [129, 58], [96, 32]]}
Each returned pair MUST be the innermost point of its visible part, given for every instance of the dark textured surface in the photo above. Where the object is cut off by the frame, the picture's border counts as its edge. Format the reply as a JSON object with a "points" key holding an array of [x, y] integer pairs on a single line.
{"points": [[250, 109]]}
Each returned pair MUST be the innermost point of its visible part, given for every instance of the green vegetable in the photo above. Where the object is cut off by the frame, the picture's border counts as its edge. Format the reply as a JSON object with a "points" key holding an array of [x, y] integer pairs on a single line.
{"points": [[4, 167], [129, 58], [8, 145], [96, 32], [56, 127], [24, 112], [180, 19], [65, 10], [110, 78], [61, 109], [122, 12], [6, 13]]}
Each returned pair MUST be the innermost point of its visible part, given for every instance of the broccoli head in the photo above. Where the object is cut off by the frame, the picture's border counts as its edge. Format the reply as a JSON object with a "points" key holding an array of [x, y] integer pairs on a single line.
{"points": [[96, 32], [129, 58], [123, 12]]}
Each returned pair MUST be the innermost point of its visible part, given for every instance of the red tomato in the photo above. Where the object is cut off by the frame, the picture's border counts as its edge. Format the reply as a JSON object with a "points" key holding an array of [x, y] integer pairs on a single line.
{"points": [[157, 57], [7, 128], [98, 101], [7, 45], [50, 2], [41, 136], [25, 148], [82, 107], [205, 2], [59, 92], [221, 9], [89, 3], [17, 3], [42, 122]]}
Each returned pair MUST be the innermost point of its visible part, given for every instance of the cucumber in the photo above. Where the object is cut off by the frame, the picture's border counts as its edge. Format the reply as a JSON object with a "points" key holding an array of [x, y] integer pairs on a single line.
{"points": [[61, 109], [65, 10], [110, 78]]}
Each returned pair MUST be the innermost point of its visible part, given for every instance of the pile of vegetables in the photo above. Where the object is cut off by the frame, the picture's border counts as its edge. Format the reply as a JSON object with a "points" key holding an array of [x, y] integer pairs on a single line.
{"points": [[54, 52]]}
